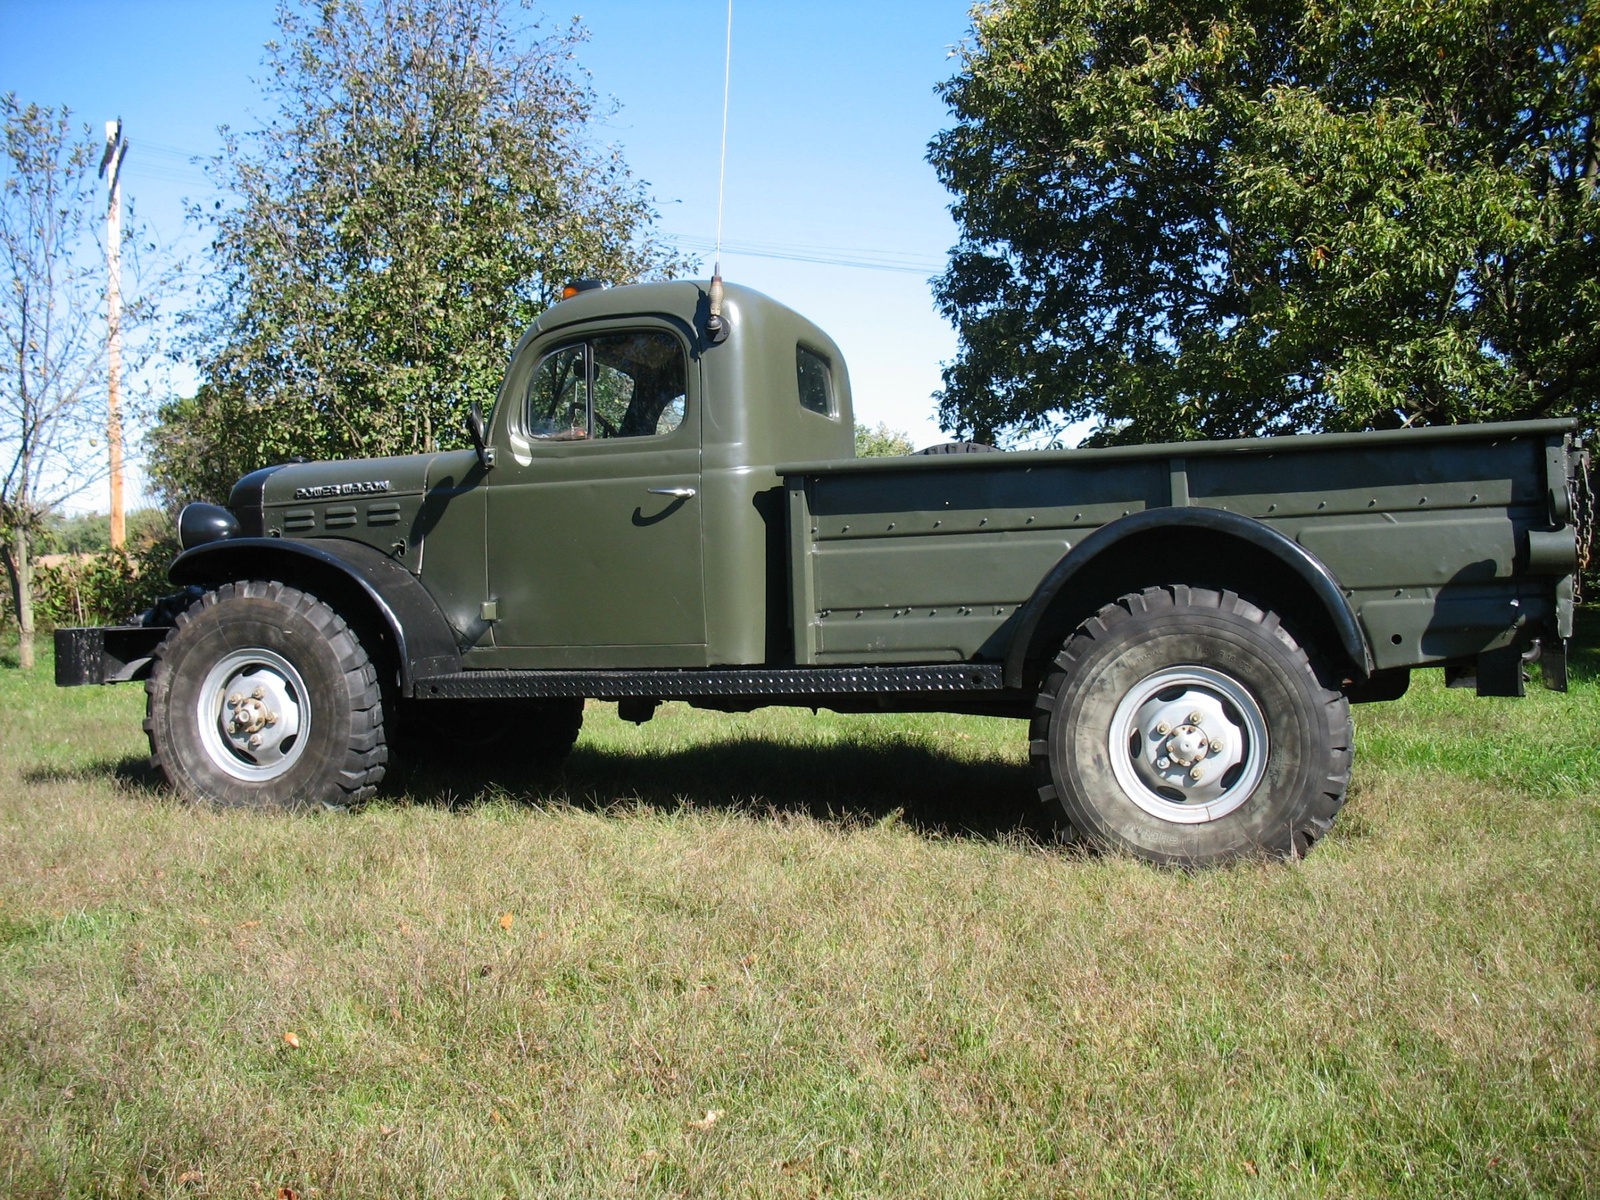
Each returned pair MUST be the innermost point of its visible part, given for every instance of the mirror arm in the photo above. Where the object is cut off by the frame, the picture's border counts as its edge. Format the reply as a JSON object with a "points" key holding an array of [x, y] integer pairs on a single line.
{"points": [[479, 443]]}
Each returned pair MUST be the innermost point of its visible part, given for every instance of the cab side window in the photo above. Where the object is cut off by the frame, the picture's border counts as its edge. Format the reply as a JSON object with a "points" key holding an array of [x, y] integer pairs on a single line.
{"points": [[612, 385], [558, 397]]}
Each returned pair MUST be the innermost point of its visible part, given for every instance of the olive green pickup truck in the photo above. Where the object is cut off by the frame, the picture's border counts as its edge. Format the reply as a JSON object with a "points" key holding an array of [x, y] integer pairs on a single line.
{"points": [[664, 505]]}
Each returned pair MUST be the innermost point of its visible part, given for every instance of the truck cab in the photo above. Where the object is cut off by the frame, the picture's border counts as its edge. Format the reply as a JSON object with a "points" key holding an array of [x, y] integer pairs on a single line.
{"points": [[634, 507], [628, 512]]}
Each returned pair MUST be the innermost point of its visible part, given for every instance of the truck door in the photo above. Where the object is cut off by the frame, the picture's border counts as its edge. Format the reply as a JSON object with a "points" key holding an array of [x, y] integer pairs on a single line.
{"points": [[594, 515]]}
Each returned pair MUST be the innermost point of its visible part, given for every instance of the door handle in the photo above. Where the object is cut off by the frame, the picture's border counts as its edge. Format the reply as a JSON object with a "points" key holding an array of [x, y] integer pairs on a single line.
{"points": [[681, 493]]}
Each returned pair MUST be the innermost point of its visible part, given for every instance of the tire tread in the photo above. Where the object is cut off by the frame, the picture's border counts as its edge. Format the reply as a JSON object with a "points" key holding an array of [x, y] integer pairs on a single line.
{"points": [[1319, 814], [355, 779]]}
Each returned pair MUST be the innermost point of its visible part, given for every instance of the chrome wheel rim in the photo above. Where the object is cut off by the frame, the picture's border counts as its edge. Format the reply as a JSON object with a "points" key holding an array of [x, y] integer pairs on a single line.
{"points": [[1188, 744], [254, 715]]}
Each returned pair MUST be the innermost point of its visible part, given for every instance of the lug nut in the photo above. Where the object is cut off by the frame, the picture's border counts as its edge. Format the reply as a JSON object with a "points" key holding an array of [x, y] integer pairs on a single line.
{"points": [[1163, 729], [1195, 774], [235, 700], [1163, 763], [1196, 717], [1216, 746], [255, 741], [260, 693], [272, 718]]}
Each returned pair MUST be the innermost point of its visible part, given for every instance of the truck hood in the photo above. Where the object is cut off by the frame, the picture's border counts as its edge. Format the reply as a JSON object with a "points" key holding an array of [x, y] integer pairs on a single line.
{"points": [[319, 481]]}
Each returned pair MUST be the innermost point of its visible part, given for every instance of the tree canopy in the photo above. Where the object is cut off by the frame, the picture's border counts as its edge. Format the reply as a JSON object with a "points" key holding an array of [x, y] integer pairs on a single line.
{"points": [[879, 441], [1233, 218], [425, 185]]}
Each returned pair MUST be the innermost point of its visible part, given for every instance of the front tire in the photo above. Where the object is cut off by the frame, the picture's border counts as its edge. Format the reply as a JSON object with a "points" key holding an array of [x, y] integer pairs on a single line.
{"points": [[263, 697], [1188, 727]]}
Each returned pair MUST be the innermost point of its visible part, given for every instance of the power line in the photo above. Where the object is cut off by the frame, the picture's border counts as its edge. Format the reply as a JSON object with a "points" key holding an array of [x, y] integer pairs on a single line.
{"points": [[834, 256], [177, 164]]}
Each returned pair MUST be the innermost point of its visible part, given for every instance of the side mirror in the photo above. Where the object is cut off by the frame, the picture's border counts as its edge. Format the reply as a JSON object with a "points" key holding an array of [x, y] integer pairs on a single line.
{"points": [[475, 427]]}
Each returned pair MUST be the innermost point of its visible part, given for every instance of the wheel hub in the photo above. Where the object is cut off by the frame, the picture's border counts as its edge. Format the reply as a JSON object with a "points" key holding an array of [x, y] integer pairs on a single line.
{"points": [[253, 714], [250, 715], [1188, 744]]}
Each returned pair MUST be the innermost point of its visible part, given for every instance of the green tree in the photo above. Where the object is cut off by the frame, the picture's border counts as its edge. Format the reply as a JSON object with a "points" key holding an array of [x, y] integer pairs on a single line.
{"points": [[90, 533], [1234, 218], [200, 445], [426, 186], [879, 441], [50, 350]]}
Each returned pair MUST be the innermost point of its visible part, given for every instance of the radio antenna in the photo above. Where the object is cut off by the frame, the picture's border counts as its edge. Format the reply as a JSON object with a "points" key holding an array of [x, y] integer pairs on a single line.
{"points": [[715, 326]]}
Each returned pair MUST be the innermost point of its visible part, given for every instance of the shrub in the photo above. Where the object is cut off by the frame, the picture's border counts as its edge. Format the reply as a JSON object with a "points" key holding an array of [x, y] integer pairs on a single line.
{"points": [[108, 588]]}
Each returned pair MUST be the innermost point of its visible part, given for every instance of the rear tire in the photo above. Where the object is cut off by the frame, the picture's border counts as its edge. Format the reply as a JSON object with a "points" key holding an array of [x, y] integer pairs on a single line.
{"points": [[1116, 744], [262, 697]]}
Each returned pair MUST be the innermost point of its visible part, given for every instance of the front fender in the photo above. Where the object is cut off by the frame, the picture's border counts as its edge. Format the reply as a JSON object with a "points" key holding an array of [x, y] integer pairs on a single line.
{"points": [[423, 639], [1256, 535]]}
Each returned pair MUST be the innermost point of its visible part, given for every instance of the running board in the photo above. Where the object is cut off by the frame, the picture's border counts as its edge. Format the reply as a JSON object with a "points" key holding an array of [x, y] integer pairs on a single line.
{"points": [[715, 681]]}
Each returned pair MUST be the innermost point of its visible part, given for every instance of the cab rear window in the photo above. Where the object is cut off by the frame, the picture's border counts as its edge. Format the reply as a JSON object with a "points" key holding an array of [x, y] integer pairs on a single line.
{"points": [[815, 376]]}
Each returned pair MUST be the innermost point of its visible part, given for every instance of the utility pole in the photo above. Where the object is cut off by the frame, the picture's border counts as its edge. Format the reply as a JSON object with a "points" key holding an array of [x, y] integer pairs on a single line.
{"points": [[111, 172]]}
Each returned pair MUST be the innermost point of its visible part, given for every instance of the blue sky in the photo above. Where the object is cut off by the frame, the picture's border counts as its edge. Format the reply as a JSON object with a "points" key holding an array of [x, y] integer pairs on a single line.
{"points": [[832, 108]]}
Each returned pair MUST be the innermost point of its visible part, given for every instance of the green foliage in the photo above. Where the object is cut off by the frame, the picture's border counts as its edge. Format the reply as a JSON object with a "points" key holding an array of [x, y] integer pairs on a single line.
{"points": [[90, 533], [426, 185], [879, 441], [107, 588], [201, 444], [84, 533], [1233, 218], [95, 585]]}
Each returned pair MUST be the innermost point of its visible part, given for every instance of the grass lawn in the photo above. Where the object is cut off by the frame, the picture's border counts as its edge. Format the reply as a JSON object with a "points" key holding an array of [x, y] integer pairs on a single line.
{"points": [[795, 955]]}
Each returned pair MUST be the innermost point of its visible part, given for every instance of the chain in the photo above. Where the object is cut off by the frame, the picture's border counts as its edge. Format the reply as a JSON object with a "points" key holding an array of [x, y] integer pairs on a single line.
{"points": [[1580, 492]]}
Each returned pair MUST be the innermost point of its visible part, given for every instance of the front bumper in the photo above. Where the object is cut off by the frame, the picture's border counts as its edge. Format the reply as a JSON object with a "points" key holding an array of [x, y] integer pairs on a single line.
{"points": [[106, 653]]}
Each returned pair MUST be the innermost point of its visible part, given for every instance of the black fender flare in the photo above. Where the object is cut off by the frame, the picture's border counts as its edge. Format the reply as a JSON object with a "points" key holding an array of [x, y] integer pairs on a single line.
{"points": [[424, 642], [1255, 534]]}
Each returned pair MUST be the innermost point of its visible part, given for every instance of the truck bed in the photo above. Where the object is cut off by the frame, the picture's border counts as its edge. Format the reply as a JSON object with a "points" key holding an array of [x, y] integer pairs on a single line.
{"points": [[1433, 535]]}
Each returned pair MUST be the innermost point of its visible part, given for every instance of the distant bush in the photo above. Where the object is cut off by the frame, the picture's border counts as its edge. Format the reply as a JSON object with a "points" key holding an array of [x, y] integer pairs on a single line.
{"points": [[90, 533], [107, 588]]}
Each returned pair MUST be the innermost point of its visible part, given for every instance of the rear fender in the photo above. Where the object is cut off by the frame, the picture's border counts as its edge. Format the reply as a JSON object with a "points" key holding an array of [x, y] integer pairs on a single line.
{"points": [[1080, 579]]}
